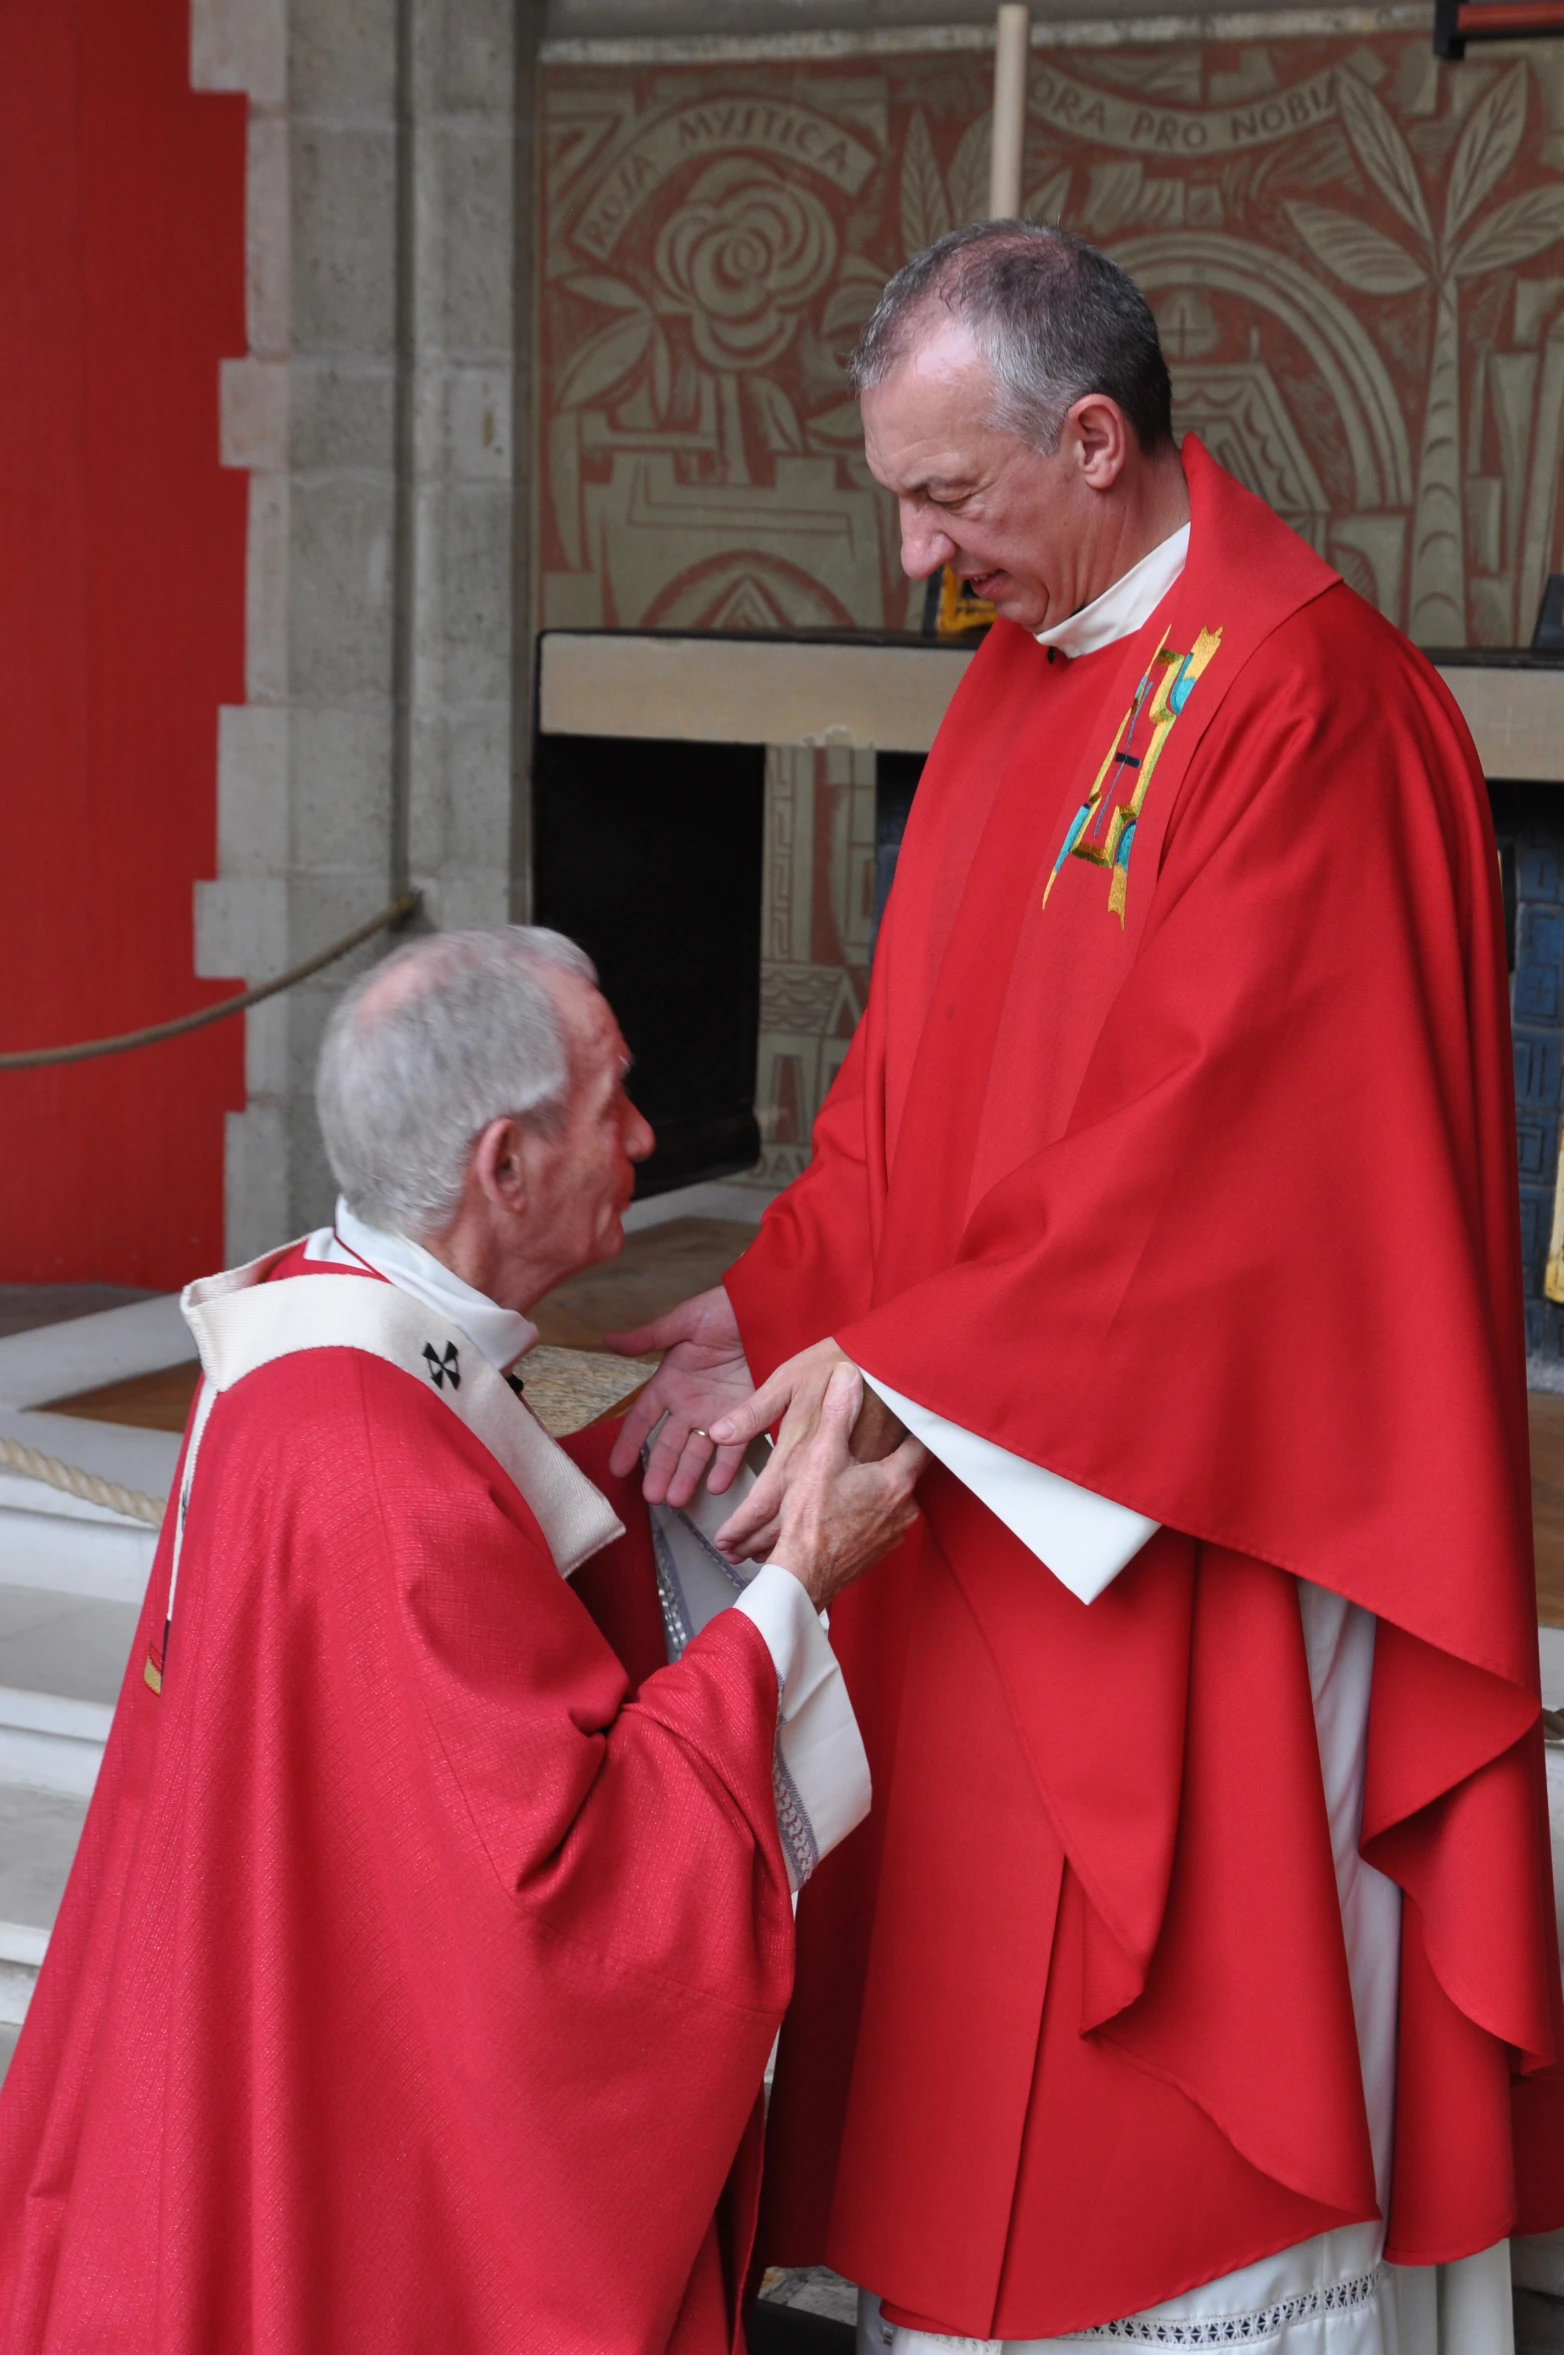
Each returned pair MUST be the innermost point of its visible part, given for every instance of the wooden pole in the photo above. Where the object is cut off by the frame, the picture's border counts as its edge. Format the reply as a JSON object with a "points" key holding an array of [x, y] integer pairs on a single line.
{"points": [[1012, 31]]}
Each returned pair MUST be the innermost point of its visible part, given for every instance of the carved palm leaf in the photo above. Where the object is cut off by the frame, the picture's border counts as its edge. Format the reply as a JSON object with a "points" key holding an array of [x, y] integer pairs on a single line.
{"points": [[1383, 153], [1486, 148], [612, 293], [602, 362], [925, 208], [1361, 257], [1514, 233], [662, 375], [778, 417], [969, 174], [1047, 203]]}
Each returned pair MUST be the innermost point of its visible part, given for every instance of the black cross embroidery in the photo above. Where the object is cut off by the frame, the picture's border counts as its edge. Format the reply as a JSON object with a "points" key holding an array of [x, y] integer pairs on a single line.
{"points": [[440, 1367]]}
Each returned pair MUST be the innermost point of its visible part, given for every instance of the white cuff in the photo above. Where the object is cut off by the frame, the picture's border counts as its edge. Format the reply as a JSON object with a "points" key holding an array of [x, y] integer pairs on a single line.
{"points": [[1083, 1538], [822, 1771]]}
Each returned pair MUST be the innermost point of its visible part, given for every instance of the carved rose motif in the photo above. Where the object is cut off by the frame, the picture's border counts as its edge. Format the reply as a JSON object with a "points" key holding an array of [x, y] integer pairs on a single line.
{"points": [[743, 256]]}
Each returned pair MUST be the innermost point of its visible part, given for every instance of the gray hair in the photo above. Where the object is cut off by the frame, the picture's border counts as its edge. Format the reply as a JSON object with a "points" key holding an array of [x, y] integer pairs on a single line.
{"points": [[1053, 317], [412, 1071]]}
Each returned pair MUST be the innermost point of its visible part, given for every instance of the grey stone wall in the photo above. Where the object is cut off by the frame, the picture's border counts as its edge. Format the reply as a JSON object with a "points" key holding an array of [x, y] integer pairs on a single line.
{"points": [[376, 413]]}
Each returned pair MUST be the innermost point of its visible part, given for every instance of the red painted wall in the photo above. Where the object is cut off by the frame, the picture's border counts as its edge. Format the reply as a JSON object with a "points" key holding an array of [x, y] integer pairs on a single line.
{"points": [[122, 548]]}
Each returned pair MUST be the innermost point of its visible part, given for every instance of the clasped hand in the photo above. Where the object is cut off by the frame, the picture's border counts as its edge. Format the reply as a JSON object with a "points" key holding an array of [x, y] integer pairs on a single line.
{"points": [[837, 1492]]}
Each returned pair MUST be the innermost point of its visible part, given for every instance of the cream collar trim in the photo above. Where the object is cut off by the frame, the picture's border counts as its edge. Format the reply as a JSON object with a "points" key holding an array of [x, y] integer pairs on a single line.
{"points": [[502, 1334], [241, 1321]]}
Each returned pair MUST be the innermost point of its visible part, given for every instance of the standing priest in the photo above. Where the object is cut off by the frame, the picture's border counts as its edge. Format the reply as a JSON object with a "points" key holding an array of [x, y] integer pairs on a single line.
{"points": [[429, 1933], [1195, 1982]]}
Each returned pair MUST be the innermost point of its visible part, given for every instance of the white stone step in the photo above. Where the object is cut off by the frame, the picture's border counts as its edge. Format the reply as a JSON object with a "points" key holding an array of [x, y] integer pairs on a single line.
{"points": [[50, 1538], [1550, 1644], [66, 1548], [72, 1576], [22, 1950], [63, 1544], [59, 1361], [39, 1832], [50, 1743], [138, 1459], [62, 1661]]}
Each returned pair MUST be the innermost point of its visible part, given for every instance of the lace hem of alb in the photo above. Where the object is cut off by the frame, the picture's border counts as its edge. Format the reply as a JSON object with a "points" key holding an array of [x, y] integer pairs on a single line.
{"points": [[798, 1833], [1237, 2330], [793, 1824]]}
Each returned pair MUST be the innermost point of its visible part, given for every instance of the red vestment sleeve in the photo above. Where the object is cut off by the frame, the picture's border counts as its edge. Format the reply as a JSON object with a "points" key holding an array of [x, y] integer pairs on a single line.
{"points": [[817, 1239], [427, 1976]]}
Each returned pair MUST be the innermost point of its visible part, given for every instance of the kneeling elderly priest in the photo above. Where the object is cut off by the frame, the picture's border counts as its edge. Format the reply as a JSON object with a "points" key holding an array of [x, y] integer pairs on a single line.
{"points": [[416, 1978]]}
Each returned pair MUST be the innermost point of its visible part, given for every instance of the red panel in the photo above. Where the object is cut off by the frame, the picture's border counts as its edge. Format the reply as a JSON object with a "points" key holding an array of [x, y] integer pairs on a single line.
{"points": [[1511, 16], [121, 628]]}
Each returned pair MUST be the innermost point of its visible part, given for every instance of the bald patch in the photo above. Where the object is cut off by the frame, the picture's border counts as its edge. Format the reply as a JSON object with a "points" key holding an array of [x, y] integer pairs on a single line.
{"points": [[393, 985], [399, 980]]}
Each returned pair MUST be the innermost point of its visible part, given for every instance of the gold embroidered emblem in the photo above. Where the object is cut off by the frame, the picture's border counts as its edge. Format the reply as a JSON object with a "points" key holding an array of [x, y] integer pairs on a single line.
{"points": [[1157, 702]]}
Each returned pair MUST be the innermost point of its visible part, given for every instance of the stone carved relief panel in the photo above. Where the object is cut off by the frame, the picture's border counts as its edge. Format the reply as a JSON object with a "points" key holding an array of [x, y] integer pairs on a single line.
{"points": [[817, 906], [1356, 257]]}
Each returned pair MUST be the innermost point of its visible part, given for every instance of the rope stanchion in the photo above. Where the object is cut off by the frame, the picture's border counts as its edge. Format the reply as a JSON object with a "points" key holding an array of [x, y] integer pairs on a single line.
{"points": [[35, 1058], [129, 1502]]}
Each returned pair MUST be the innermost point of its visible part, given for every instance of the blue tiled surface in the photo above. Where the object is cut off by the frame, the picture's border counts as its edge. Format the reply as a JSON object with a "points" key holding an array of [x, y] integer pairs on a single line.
{"points": [[1532, 818]]}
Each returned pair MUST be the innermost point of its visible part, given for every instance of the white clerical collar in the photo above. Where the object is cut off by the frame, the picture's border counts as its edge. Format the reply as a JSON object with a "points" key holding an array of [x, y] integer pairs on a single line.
{"points": [[1120, 610], [501, 1334]]}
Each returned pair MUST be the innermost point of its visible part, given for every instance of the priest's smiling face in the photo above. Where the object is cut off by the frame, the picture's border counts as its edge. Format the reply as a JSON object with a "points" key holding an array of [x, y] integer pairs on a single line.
{"points": [[1038, 534]]}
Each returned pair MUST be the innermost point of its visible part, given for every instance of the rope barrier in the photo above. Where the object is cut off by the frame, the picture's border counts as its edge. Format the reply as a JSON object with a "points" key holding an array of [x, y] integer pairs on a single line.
{"points": [[31, 1058], [131, 1503], [57, 1474]]}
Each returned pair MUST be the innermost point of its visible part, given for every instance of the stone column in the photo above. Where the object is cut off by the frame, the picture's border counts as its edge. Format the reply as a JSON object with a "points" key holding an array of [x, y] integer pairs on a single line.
{"points": [[376, 413]]}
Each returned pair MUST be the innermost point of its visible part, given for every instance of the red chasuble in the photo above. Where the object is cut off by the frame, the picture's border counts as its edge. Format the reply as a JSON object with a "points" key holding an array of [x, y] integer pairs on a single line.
{"points": [[1175, 1153], [415, 1980]]}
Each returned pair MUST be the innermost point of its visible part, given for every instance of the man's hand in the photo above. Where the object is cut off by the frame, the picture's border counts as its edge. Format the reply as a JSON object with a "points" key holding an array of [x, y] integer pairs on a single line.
{"points": [[838, 1514], [702, 1377], [796, 1394]]}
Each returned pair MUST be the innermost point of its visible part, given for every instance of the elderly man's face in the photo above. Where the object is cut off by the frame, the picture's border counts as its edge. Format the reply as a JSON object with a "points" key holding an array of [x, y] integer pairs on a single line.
{"points": [[1025, 530], [583, 1177]]}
